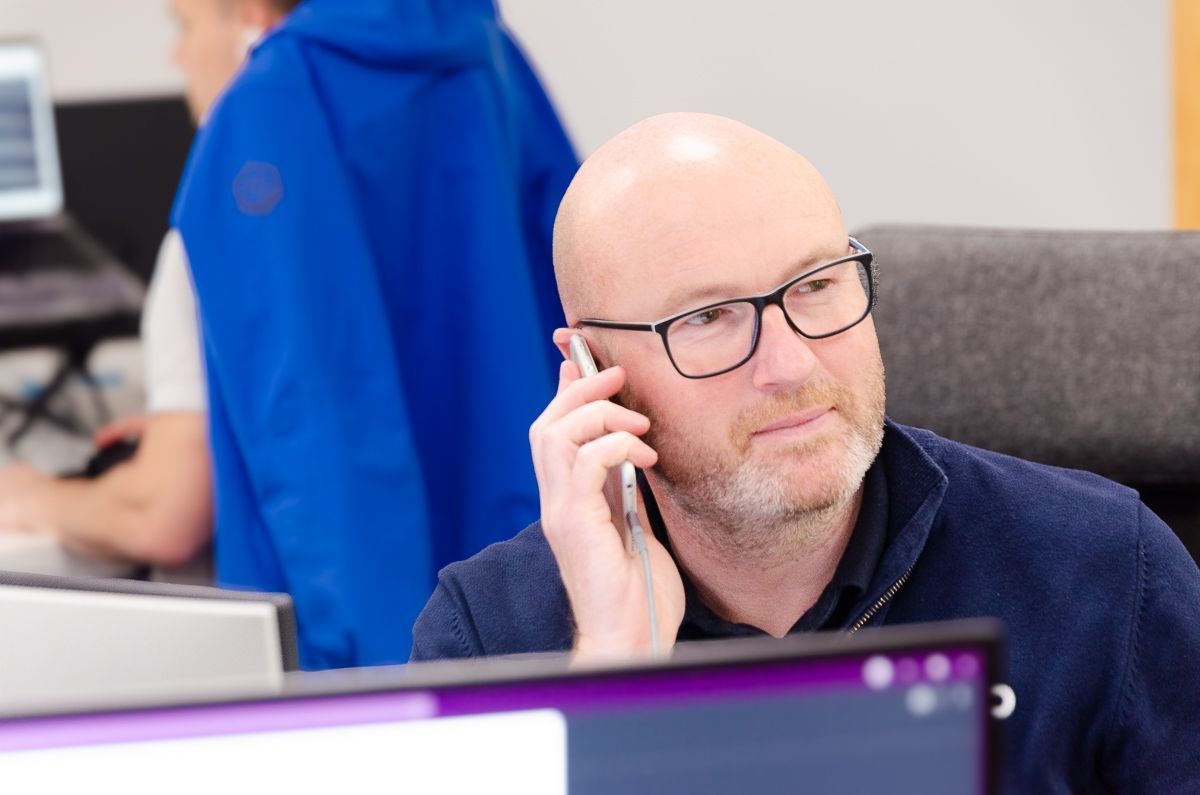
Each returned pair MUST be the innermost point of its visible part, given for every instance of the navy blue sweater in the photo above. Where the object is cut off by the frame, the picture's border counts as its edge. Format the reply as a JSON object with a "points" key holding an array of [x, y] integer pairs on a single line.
{"points": [[1101, 600]]}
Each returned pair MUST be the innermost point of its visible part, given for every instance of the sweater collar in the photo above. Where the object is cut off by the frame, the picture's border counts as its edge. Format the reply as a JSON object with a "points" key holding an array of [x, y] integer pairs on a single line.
{"points": [[902, 491]]}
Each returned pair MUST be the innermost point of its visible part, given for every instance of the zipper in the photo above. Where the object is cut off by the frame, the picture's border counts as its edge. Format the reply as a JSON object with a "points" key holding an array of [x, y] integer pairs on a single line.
{"points": [[880, 602]]}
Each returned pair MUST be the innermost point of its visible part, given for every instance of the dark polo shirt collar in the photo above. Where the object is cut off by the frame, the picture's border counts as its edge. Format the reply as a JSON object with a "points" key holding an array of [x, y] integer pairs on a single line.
{"points": [[832, 609]]}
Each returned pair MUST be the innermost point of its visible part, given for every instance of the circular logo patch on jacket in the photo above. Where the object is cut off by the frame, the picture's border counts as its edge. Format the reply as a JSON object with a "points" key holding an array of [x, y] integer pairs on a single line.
{"points": [[258, 188]]}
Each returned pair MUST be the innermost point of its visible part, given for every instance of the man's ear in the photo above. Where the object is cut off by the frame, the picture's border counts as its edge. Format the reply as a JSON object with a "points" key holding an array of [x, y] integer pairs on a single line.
{"points": [[562, 341], [258, 14]]}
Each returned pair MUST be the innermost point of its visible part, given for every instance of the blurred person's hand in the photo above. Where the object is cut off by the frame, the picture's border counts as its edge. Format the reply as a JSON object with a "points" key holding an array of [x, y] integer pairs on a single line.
{"points": [[118, 430], [21, 487]]}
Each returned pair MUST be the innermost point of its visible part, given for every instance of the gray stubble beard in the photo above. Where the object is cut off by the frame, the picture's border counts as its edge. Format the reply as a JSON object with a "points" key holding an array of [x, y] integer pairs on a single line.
{"points": [[751, 511]]}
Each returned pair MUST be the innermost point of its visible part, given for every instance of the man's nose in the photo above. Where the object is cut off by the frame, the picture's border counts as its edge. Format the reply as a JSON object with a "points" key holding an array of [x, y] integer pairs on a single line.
{"points": [[783, 359]]}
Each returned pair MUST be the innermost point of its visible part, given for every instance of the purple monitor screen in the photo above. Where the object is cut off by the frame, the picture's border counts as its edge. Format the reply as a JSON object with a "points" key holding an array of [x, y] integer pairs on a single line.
{"points": [[907, 720]]}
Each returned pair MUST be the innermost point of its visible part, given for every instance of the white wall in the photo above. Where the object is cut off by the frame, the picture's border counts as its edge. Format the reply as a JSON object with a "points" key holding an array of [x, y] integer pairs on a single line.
{"points": [[100, 48], [1017, 113]]}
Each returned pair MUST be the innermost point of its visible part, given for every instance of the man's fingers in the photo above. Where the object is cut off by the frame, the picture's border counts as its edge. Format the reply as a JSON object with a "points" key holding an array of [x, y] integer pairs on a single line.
{"points": [[595, 420], [580, 500], [555, 446], [567, 372], [600, 455], [576, 391]]}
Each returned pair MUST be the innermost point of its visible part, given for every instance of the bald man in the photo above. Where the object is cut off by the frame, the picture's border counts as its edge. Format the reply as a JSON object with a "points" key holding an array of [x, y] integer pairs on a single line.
{"points": [[709, 270]]}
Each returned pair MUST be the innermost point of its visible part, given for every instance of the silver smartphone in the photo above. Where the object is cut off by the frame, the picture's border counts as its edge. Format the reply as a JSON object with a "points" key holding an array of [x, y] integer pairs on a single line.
{"points": [[625, 485]]}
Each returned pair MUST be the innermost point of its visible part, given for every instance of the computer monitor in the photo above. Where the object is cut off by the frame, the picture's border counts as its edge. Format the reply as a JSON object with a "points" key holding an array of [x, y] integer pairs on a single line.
{"points": [[30, 179], [894, 710], [71, 641]]}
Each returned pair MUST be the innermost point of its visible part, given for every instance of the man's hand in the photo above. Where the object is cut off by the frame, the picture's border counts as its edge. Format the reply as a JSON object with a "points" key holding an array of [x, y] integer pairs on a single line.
{"points": [[115, 431], [21, 488], [575, 442]]}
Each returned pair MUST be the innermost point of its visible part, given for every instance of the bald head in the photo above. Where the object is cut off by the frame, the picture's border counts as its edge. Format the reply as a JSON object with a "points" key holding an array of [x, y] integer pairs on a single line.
{"points": [[672, 197]]}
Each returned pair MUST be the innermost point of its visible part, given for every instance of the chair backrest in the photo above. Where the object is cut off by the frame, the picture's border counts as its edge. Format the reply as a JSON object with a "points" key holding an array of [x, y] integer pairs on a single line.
{"points": [[1077, 349]]}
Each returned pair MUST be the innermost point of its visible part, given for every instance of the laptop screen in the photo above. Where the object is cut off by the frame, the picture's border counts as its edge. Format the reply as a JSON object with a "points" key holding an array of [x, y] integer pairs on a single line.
{"points": [[898, 711], [30, 184]]}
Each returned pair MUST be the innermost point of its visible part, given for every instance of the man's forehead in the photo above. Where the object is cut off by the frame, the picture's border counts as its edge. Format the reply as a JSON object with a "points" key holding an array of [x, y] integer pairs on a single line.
{"points": [[695, 286], [709, 240], [689, 203]]}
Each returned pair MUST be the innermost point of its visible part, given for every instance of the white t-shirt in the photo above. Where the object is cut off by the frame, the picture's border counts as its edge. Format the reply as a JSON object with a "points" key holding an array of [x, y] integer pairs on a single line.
{"points": [[171, 334]]}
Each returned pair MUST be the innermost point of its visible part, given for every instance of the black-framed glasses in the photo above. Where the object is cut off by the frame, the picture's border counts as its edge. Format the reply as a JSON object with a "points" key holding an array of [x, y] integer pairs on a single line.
{"points": [[720, 337]]}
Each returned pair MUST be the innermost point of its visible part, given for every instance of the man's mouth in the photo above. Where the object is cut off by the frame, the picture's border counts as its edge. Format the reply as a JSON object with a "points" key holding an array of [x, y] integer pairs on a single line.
{"points": [[798, 421]]}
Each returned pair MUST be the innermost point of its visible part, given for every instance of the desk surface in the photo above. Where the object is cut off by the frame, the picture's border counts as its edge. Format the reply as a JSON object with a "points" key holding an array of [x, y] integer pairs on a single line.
{"points": [[41, 554]]}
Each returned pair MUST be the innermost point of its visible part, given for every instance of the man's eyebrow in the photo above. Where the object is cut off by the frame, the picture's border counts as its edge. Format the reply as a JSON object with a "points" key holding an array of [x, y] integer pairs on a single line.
{"points": [[689, 296], [694, 296]]}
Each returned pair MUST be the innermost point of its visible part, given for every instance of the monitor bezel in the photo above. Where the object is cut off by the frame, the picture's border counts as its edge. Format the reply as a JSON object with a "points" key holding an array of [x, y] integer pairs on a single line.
{"points": [[983, 634]]}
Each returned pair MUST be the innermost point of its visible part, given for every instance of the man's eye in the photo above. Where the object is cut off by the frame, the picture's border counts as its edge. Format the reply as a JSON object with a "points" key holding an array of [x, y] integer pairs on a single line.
{"points": [[813, 285], [707, 317]]}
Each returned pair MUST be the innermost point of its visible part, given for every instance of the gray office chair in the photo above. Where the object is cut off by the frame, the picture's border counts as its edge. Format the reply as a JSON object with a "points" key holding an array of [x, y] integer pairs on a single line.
{"points": [[1077, 349]]}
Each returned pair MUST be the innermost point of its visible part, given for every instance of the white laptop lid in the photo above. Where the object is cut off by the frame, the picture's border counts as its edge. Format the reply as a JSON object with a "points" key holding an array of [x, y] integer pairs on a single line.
{"points": [[30, 179], [73, 641]]}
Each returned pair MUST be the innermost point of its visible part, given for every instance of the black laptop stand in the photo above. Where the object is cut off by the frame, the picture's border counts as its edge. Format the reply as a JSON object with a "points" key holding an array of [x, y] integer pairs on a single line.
{"points": [[67, 301]]}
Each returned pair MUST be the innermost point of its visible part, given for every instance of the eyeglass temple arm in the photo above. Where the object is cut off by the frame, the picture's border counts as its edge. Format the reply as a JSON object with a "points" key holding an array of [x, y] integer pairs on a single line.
{"points": [[617, 325]]}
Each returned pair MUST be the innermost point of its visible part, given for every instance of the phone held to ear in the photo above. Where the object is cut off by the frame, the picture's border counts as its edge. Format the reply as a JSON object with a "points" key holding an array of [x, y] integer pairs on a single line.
{"points": [[628, 507], [626, 490]]}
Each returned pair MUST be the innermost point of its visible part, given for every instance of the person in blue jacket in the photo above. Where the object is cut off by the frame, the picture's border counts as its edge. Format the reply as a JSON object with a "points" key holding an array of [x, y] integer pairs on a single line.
{"points": [[368, 213], [708, 265]]}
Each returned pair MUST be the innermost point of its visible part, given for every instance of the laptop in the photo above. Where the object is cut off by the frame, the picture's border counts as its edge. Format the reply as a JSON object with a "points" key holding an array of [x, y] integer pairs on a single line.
{"points": [[77, 641], [50, 270], [58, 287], [898, 709]]}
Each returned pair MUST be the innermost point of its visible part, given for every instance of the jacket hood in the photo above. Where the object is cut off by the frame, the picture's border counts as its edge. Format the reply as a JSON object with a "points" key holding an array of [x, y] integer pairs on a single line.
{"points": [[421, 34]]}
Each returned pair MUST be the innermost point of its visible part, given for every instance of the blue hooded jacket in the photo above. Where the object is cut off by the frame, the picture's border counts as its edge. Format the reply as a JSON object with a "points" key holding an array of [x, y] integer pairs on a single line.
{"points": [[368, 215]]}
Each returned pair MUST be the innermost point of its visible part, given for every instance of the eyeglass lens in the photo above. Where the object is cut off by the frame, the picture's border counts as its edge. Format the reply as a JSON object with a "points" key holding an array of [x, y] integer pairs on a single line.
{"points": [[823, 302]]}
